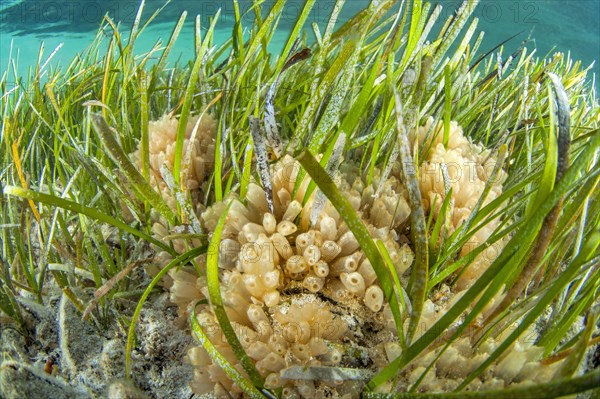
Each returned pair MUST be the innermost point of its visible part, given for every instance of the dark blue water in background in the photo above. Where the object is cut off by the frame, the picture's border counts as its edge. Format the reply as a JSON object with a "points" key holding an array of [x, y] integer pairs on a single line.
{"points": [[553, 25]]}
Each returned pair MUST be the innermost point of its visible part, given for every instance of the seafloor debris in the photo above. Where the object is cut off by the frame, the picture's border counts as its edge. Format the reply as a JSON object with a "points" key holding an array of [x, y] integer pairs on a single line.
{"points": [[88, 362]]}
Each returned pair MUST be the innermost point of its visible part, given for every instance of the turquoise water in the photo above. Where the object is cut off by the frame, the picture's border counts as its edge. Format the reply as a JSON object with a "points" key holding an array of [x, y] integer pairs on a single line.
{"points": [[26, 24]]}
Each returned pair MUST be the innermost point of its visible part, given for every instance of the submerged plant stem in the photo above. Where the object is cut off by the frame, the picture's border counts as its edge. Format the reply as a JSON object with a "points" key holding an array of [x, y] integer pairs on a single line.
{"points": [[554, 389]]}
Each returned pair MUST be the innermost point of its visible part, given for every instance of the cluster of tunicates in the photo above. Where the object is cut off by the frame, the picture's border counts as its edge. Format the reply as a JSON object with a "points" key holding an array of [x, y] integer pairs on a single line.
{"points": [[198, 154], [299, 291], [197, 165], [466, 168]]}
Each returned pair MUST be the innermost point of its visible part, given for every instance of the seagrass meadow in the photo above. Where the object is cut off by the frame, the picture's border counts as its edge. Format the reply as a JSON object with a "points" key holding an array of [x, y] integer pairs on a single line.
{"points": [[384, 209]]}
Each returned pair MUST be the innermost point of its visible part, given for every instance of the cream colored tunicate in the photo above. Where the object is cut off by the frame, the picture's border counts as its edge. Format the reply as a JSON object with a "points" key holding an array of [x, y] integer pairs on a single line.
{"points": [[301, 292], [374, 298]]}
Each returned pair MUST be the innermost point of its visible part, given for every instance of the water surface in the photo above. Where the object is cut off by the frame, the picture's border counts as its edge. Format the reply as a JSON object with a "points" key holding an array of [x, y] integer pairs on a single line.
{"points": [[553, 25]]}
